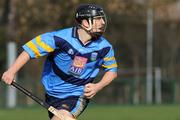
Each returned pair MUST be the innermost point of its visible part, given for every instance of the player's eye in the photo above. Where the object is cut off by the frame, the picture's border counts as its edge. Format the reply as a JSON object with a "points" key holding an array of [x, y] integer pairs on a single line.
{"points": [[98, 17]]}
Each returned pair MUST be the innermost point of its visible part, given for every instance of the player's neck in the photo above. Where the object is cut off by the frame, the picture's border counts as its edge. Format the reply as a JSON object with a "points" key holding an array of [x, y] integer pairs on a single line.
{"points": [[84, 36]]}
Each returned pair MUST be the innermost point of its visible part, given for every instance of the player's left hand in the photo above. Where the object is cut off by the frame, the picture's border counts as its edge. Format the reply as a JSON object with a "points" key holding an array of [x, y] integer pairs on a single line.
{"points": [[90, 90]]}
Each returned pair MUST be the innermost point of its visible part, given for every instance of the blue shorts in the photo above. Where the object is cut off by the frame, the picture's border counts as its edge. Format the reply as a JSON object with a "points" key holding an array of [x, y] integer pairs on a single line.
{"points": [[74, 104]]}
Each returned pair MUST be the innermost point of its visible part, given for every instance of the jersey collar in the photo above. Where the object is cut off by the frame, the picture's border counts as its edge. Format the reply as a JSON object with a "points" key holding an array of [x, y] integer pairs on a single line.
{"points": [[75, 35], [74, 32]]}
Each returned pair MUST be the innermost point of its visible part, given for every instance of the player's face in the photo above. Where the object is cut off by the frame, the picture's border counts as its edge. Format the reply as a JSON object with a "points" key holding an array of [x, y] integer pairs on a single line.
{"points": [[99, 24]]}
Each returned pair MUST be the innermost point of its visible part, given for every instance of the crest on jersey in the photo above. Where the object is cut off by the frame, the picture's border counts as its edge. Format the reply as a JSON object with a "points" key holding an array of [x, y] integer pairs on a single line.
{"points": [[78, 65], [94, 56]]}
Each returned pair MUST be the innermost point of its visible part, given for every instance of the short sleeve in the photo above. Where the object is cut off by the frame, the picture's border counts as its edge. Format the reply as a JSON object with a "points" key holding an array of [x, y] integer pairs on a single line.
{"points": [[40, 45], [109, 61]]}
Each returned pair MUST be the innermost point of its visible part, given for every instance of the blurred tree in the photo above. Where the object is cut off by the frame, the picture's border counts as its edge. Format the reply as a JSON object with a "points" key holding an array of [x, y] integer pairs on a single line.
{"points": [[5, 11], [3, 20]]}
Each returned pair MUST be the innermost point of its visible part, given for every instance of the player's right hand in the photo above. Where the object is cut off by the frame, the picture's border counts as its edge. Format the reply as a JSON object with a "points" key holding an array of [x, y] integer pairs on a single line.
{"points": [[8, 77]]}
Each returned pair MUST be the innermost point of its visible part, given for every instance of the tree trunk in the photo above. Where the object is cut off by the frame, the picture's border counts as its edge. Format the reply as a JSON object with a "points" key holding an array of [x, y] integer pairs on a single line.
{"points": [[11, 23]]}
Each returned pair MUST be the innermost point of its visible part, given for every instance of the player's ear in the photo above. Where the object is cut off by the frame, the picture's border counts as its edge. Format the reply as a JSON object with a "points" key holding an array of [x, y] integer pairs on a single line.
{"points": [[85, 23]]}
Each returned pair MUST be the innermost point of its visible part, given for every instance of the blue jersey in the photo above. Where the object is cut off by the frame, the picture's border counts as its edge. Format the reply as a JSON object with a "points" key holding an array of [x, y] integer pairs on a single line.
{"points": [[70, 64]]}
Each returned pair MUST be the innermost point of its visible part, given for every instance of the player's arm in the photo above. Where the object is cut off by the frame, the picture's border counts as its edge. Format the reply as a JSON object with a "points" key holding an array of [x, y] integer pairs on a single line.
{"points": [[106, 80], [35, 48], [91, 89], [9, 75], [110, 66]]}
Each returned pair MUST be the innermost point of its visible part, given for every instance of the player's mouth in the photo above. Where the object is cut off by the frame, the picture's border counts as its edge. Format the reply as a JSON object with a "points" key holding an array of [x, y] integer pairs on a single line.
{"points": [[101, 29]]}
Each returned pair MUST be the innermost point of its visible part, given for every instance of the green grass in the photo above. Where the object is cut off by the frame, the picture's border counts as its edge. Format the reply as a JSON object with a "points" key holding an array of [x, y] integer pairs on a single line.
{"points": [[118, 112], [23, 114]]}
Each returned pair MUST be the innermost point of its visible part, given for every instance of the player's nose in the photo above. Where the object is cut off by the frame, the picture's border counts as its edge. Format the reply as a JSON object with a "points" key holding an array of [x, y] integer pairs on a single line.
{"points": [[102, 21]]}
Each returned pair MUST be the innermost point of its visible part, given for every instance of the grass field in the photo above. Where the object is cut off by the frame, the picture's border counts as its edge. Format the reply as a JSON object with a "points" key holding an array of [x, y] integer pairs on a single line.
{"points": [[118, 112]]}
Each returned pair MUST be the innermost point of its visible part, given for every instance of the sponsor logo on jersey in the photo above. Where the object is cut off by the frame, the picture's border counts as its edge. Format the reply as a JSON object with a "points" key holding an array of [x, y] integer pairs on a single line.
{"points": [[78, 65]]}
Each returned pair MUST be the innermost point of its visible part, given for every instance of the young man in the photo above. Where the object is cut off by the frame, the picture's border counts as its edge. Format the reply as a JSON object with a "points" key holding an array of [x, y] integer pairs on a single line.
{"points": [[75, 56]]}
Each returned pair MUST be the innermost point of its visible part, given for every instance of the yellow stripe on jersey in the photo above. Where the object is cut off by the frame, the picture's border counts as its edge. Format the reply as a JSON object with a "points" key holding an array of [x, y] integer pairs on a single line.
{"points": [[108, 59], [33, 47], [43, 45], [110, 66]]}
